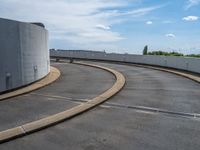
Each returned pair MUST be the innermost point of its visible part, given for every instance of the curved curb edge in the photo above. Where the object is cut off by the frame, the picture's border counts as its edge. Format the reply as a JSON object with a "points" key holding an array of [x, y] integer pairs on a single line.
{"points": [[22, 130], [53, 75]]}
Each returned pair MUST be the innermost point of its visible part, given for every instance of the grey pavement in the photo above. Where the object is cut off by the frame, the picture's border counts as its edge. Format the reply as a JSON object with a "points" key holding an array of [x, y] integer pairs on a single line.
{"points": [[111, 127], [77, 83], [157, 89]]}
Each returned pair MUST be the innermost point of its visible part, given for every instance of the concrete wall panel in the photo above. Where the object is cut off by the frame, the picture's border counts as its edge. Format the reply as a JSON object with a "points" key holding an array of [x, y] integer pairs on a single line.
{"points": [[24, 54], [183, 63]]}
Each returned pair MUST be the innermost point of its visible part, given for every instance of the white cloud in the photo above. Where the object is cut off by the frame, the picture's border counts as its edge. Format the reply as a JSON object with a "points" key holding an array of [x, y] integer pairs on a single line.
{"points": [[170, 35], [101, 26], [191, 3], [149, 22], [191, 18], [143, 11], [77, 21]]}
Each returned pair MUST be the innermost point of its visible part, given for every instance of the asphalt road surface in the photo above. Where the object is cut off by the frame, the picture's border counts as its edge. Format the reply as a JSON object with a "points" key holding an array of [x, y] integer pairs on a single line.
{"points": [[155, 111], [77, 83]]}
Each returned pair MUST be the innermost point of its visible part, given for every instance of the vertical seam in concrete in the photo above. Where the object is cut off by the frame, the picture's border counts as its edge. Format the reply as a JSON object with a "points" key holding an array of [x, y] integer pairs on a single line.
{"points": [[24, 131], [21, 55]]}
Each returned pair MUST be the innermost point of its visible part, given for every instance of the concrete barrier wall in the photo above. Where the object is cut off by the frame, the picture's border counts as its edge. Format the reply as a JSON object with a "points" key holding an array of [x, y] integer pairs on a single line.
{"points": [[24, 54], [183, 63]]}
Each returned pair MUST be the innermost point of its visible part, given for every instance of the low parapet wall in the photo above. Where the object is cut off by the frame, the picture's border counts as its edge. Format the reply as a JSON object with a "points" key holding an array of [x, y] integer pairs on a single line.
{"points": [[182, 63], [24, 54]]}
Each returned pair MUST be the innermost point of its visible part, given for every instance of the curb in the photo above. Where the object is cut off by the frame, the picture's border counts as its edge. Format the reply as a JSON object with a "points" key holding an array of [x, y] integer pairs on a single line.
{"points": [[50, 78], [22, 130]]}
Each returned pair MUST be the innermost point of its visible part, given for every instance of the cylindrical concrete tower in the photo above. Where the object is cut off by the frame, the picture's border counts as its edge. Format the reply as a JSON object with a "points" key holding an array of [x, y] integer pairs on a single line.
{"points": [[24, 53]]}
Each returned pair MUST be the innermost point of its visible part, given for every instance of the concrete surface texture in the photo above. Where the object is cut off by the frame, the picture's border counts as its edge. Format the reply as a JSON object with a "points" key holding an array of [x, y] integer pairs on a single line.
{"points": [[67, 113], [188, 64], [121, 123], [76, 85], [24, 55]]}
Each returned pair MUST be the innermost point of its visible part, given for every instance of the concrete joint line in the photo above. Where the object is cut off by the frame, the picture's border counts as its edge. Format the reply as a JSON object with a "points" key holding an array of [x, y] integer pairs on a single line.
{"points": [[22, 130]]}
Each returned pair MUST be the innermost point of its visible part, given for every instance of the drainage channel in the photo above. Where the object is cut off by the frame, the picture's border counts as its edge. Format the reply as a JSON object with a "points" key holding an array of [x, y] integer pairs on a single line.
{"points": [[141, 108]]}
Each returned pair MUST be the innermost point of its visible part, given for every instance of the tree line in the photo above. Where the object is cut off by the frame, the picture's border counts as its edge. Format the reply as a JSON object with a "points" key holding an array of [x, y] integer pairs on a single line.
{"points": [[163, 53]]}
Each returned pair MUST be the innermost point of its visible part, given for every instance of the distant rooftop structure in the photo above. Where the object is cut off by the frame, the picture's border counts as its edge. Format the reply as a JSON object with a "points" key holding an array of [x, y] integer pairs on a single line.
{"points": [[86, 51], [38, 24]]}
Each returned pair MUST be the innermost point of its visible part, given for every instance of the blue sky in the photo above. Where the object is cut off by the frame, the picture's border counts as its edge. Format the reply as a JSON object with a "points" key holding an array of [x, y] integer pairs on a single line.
{"points": [[113, 25]]}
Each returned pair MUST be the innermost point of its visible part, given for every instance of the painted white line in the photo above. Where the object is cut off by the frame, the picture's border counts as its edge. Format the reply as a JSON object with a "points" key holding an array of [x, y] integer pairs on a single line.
{"points": [[61, 97]]}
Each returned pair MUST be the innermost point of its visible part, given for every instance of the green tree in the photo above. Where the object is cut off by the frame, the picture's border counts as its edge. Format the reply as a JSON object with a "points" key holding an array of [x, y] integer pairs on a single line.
{"points": [[145, 51]]}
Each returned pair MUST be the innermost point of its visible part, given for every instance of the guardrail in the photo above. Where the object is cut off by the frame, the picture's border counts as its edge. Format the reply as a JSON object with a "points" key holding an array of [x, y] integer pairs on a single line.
{"points": [[181, 63]]}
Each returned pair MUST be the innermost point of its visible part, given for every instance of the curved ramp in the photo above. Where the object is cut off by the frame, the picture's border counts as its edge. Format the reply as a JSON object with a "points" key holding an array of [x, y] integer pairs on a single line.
{"points": [[53, 119]]}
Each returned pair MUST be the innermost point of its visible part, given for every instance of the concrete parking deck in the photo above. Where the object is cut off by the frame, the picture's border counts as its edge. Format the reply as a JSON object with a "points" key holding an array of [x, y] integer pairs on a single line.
{"points": [[77, 83], [122, 123]]}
